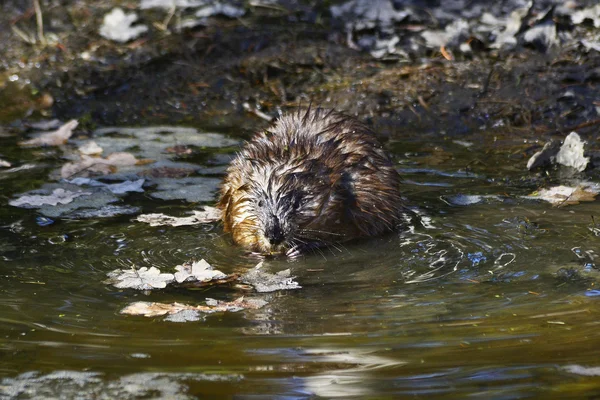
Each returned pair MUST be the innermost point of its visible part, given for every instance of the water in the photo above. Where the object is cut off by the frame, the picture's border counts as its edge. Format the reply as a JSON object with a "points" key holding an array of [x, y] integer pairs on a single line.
{"points": [[487, 297]]}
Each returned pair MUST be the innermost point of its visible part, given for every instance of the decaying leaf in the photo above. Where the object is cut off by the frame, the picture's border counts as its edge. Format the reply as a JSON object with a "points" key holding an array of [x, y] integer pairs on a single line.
{"points": [[265, 282], [198, 271], [140, 279], [54, 138], [58, 196], [571, 153], [564, 195], [90, 148], [210, 214], [150, 309], [118, 26], [116, 188], [98, 165]]}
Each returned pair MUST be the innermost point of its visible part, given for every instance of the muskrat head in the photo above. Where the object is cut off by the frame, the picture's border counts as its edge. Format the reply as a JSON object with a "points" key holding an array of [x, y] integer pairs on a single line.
{"points": [[272, 213]]}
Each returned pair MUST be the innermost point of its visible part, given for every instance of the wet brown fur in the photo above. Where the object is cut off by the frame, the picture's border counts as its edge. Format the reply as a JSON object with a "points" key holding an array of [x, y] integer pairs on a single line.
{"points": [[314, 178]]}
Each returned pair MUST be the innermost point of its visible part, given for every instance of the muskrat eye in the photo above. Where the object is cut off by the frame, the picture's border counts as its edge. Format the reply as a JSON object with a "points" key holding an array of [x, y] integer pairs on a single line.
{"points": [[297, 202]]}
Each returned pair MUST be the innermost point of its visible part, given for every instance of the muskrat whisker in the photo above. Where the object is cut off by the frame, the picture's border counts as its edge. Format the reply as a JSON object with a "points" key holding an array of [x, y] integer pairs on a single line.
{"points": [[318, 231], [335, 247]]}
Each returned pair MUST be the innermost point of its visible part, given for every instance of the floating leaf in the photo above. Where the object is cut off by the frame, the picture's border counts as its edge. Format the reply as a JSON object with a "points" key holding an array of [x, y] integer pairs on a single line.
{"points": [[140, 279], [565, 195], [210, 214], [151, 309], [58, 196], [199, 271], [90, 148], [54, 138], [265, 282]]}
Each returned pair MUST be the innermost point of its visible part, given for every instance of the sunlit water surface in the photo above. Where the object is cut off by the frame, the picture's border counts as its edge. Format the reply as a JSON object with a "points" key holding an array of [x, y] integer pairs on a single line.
{"points": [[490, 300]]}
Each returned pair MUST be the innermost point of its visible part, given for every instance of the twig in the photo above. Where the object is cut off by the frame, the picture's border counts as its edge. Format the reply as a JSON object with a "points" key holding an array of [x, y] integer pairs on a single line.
{"points": [[257, 112], [24, 36], [40, 21], [586, 124]]}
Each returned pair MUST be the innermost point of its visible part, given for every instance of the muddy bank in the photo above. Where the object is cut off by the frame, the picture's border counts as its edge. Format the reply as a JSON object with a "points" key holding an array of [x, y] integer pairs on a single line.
{"points": [[275, 56]]}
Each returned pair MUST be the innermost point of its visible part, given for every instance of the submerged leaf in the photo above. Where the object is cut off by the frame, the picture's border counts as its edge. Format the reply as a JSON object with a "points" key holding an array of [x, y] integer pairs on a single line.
{"points": [[116, 188], [54, 138], [210, 214], [265, 282], [58, 196]]}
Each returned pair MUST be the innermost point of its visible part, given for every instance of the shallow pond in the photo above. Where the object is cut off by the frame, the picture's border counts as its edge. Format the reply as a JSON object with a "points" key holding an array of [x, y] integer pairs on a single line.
{"points": [[491, 295]]}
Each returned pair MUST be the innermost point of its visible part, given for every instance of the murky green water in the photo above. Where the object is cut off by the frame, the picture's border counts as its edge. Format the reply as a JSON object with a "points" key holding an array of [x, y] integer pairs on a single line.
{"points": [[489, 300]]}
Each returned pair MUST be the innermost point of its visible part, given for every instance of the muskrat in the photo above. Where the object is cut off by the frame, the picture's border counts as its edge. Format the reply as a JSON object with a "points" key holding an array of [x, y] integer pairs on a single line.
{"points": [[315, 178]]}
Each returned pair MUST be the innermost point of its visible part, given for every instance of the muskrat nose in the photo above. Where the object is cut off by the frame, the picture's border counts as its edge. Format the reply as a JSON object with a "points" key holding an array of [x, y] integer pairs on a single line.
{"points": [[274, 233]]}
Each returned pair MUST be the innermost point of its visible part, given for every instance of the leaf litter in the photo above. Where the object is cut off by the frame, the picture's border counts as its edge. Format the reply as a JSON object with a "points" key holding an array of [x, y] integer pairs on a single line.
{"points": [[570, 154], [199, 273], [151, 309]]}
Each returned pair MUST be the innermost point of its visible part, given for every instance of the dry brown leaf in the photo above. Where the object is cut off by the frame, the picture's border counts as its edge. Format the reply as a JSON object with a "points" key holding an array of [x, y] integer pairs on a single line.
{"points": [[54, 138], [99, 165], [151, 309], [560, 196]]}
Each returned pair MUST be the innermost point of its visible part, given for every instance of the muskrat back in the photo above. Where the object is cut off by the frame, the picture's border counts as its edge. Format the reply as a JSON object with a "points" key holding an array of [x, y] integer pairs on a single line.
{"points": [[314, 178]]}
